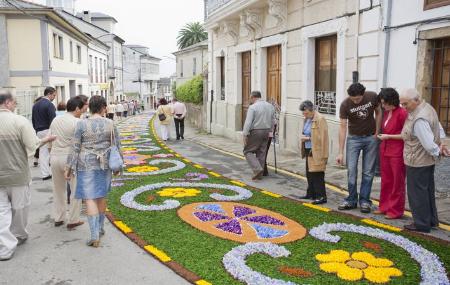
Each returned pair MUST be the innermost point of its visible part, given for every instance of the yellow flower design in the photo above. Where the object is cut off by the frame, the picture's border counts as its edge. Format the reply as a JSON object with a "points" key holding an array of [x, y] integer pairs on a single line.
{"points": [[178, 192], [126, 134], [359, 265], [129, 148], [127, 142], [144, 168]]}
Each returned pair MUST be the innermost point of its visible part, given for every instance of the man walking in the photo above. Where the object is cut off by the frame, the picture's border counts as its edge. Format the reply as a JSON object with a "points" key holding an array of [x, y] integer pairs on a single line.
{"points": [[422, 134], [179, 113], [111, 110], [63, 127], [42, 116], [357, 113], [18, 141], [258, 125]]}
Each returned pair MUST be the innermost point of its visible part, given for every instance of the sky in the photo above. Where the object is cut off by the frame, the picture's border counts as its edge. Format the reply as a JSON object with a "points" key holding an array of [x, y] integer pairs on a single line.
{"points": [[151, 23]]}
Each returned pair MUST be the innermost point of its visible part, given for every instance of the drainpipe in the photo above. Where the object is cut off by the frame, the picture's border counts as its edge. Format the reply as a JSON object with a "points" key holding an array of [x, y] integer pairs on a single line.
{"points": [[212, 82], [387, 41], [355, 73]]}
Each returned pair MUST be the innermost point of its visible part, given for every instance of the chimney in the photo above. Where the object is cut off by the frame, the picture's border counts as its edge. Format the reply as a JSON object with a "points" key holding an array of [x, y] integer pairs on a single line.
{"points": [[86, 16]]}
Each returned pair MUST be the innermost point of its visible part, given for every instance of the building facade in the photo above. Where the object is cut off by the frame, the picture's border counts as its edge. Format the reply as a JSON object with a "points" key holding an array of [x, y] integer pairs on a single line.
{"points": [[191, 61], [141, 74], [293, 50], [98, 69], [41, 49]]}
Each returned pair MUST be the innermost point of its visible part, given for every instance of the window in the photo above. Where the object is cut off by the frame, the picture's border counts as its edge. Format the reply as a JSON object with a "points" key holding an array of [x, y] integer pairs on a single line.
{"points": [[58, 46], [325, 75], [105, 68], [96, 69], [91, 72], [181, 68], [61, 97], [222, 77], [79, 54], [80, 89], [71, 51], [101, 70], [194, 66], [431, 4]]}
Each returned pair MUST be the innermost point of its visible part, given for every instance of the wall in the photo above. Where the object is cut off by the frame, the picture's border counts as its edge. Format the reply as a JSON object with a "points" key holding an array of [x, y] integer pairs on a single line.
{"points": [[196, 115]]}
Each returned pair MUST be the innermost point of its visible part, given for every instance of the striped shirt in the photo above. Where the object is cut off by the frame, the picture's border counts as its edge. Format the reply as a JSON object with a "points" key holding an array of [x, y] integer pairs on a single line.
{"points": [[260, 116]]}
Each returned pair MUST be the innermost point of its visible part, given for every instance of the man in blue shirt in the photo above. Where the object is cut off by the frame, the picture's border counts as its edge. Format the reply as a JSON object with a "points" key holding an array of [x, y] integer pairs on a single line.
{"points": [[42, 116]]}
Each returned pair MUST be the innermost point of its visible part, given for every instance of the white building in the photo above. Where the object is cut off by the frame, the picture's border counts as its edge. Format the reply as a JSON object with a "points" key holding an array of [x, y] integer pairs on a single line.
{"points": [[98, 69], [93, 24], [293, 50], [40, 49], [141, 74], [191, 61]]}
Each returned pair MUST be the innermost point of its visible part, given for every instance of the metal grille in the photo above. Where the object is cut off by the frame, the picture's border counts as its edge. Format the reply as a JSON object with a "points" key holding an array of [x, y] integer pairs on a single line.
{"points": [[25, 100], [440, 86], [325, 102]]}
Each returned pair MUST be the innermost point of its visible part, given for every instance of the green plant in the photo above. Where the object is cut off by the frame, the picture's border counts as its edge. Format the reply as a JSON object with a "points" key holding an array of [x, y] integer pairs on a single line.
{"points": [[191, 91], [191, 34]]}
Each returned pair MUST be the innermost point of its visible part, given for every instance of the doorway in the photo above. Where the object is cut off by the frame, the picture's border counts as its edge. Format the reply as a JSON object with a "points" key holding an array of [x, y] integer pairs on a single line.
{"points": [[246, 82]]}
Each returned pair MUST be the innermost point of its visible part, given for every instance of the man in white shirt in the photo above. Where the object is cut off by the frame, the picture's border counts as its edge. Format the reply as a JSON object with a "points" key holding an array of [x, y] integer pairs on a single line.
{"points": [[63, 127], [18, 141], [111, 110], [119, 110], [179, 113]]}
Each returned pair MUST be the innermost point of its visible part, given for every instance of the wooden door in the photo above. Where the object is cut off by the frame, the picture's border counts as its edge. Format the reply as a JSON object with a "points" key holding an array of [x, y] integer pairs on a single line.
{"points": [[274, 75], [441, 82], [246, 82], [325, 75]]}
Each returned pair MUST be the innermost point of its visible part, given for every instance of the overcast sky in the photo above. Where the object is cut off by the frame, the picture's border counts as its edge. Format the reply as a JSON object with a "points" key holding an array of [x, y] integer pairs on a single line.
{"points": [[152, 23]]}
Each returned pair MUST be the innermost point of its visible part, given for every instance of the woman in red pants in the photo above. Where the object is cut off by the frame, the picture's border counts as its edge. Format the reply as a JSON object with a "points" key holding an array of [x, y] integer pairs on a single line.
{"points": [[392, 197]]}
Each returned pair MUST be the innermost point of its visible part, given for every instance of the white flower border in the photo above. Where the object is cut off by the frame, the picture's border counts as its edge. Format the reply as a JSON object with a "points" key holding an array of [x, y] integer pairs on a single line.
{"points": [[431, 269], [234, 262], [148, 148], [128, 199], [178, 166]]}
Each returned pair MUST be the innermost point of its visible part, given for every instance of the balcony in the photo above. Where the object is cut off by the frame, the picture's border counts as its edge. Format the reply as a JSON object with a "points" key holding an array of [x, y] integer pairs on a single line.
{"points": [[213, 5], [325, 102]]}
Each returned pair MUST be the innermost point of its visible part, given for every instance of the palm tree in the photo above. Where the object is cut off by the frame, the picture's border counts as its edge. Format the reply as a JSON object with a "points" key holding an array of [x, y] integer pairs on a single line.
{"points": [[191, 34]]}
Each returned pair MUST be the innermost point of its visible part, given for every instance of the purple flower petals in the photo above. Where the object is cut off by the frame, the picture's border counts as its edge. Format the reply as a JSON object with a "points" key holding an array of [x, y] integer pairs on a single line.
{"points": [[232, 226], [240, 211], [206, 216], [264, 220]]}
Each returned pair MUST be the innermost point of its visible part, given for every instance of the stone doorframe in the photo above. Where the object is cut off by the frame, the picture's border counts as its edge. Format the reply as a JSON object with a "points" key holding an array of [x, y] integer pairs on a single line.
{"points": [[424, 75], [309, 34]]}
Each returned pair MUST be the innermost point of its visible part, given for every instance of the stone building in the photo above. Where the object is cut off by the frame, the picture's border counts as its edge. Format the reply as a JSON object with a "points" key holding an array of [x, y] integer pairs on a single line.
{"points": [[293, 50]]}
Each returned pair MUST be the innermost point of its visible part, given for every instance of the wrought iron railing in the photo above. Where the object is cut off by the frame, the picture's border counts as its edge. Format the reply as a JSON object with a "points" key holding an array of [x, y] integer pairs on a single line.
{"points": [[325, 102], [213, 5]]}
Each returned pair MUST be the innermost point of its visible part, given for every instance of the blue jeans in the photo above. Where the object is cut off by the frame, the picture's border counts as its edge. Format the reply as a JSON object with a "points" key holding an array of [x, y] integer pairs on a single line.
{"points": [[368, 146]]}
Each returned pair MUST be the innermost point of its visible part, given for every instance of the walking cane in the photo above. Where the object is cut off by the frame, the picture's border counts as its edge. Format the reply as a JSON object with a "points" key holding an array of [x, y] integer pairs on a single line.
{"points": [[274, 147]]}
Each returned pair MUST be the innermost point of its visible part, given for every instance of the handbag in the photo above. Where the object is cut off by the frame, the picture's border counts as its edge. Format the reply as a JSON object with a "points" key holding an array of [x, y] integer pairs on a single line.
{"points": [[115, 159], [162, 117]]}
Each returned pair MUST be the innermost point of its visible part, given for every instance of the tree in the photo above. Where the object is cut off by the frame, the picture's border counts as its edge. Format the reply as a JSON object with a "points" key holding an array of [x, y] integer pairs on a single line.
{"points": [[191, 34]]}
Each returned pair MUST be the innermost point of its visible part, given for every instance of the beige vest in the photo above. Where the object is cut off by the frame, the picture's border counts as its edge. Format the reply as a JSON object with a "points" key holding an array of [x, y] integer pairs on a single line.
{"points": [[414, 154]]}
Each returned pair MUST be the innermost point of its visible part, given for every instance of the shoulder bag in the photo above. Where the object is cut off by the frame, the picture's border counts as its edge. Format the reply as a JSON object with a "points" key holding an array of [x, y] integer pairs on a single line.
{"points": [[115, 159]]}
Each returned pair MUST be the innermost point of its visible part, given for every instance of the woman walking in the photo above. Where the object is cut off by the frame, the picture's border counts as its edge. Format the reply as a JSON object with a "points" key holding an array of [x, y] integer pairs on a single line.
{"points": [[392, 196], [165, 117], [90, 159], [314, 147]]}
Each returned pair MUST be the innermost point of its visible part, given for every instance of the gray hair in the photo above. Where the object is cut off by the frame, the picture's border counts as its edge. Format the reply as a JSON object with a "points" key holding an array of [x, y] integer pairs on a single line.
{"points": [[306, 106], [256, 94], [411, 94], [5, 96]]}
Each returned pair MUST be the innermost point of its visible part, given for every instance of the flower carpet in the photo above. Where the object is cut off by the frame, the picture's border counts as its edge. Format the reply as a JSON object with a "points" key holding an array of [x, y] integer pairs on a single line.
{"points": [[213, 230]]}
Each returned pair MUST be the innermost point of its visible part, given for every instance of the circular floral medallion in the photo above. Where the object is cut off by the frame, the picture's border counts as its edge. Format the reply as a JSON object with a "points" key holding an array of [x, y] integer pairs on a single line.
{"points": [[241, 222]]}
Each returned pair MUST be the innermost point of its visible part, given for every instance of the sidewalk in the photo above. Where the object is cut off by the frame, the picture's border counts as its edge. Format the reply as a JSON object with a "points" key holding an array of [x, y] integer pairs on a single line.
{"points": [[292, 164], [58, 256]]}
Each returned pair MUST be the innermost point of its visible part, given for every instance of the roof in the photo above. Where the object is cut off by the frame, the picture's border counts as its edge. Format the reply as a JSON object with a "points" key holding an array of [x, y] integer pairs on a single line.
{"points": [[28, 8], [98, 15], [21, 4], [193, 47], [133, 47], [67, 15]]}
